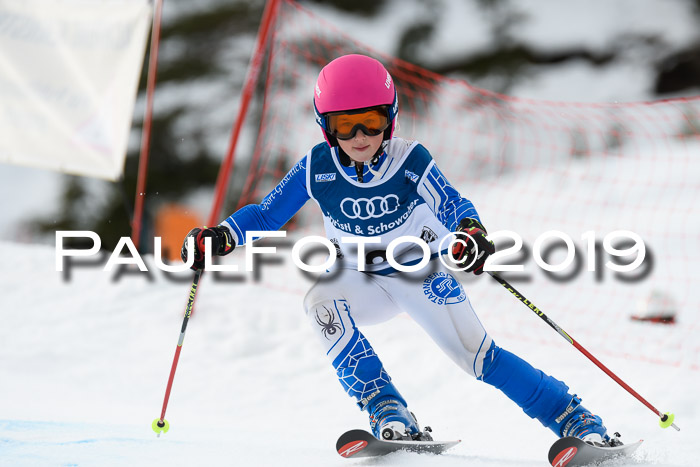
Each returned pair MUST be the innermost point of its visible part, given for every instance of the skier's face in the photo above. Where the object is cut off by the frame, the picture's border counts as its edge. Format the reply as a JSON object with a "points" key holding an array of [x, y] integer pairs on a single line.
{"points": [[361, 147]]}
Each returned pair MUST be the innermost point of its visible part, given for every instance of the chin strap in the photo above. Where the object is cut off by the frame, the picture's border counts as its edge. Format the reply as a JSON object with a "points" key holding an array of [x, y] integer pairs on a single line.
{"points": [[360, 170]]}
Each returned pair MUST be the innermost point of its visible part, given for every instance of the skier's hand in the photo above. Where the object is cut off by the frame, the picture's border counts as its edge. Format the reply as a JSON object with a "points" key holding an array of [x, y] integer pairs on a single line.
{"points": [[472, 252], [222, 243]]}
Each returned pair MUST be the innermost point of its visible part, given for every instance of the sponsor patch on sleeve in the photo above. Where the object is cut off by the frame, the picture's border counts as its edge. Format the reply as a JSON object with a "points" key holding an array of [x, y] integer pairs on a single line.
{"points": [[411, 176]]}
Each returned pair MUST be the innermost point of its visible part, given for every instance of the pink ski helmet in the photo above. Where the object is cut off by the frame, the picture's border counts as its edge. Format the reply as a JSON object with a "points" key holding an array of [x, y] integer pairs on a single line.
{"points": [[353, 82]]}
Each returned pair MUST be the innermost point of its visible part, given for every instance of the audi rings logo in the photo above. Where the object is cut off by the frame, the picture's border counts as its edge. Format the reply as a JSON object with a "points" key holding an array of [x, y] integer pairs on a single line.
{"points": [[363, 208]]}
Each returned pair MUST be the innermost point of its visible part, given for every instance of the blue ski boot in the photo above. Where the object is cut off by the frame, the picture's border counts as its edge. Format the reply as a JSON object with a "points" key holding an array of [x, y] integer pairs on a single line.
{"points": [[582, 424], [390, 419]]}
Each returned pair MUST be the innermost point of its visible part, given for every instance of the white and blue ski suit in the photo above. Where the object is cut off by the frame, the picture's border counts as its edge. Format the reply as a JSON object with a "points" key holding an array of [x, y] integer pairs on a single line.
{"points": [[403, 193]]}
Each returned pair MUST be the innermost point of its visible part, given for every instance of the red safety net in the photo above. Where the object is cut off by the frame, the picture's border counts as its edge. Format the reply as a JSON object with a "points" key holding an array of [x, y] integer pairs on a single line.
{"points": [[530, 167]]}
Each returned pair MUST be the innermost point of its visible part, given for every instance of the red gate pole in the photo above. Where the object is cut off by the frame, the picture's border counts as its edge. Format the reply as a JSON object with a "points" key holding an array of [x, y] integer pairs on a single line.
{"points": [[252, 75], [146, 129]]}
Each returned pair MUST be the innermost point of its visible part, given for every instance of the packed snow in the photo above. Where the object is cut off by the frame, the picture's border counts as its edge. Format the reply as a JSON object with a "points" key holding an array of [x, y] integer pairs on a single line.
{"points": [[86, 355]]}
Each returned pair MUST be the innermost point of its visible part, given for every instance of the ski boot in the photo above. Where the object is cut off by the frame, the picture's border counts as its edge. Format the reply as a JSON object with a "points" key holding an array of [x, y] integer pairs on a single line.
{"points": [[390, 420], [588, 427]]}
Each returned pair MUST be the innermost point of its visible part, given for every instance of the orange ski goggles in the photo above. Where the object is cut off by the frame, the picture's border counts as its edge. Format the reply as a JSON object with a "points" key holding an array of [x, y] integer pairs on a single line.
{"points": [[372, 122]]}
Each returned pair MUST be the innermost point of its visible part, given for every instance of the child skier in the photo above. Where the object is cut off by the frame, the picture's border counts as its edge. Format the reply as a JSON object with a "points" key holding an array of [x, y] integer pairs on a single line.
{"points": [[369, 183]]}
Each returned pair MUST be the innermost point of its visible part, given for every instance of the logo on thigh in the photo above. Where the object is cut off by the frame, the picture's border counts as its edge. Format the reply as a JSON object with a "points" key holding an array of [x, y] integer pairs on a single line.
{"points": [[443, 289]]}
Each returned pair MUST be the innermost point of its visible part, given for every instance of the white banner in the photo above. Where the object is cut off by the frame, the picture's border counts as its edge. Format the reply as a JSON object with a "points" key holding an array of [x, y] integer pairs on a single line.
{"points": [[69, 72]]}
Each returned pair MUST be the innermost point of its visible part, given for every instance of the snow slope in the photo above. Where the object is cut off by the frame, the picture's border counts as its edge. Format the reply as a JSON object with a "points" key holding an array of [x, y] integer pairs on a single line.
{"points": [[84, 362]]}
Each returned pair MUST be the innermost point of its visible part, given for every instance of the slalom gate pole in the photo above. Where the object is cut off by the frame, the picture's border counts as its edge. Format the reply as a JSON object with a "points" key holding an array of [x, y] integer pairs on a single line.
{"points": [[161, 425], [140, 195], [666, 419], [251, 78]]}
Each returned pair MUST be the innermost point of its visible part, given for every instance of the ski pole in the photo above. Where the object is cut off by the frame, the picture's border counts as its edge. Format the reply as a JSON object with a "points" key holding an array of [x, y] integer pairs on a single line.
{"points": [[161, 425], [666, 419]]}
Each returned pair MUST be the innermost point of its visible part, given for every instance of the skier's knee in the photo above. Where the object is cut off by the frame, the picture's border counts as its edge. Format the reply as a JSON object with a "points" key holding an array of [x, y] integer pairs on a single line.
{"points": [[312, 298], [483, 358], [487, 361], [319, 293]]}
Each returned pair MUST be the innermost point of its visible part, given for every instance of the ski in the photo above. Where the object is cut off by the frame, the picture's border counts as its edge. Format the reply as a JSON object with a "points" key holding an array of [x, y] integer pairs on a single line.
{"points": [[360, 443], [573, 452]]}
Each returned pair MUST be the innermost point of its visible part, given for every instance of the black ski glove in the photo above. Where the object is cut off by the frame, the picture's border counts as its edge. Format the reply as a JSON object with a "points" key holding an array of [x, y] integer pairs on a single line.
{"points": [[222, 243], [476, 241]]}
